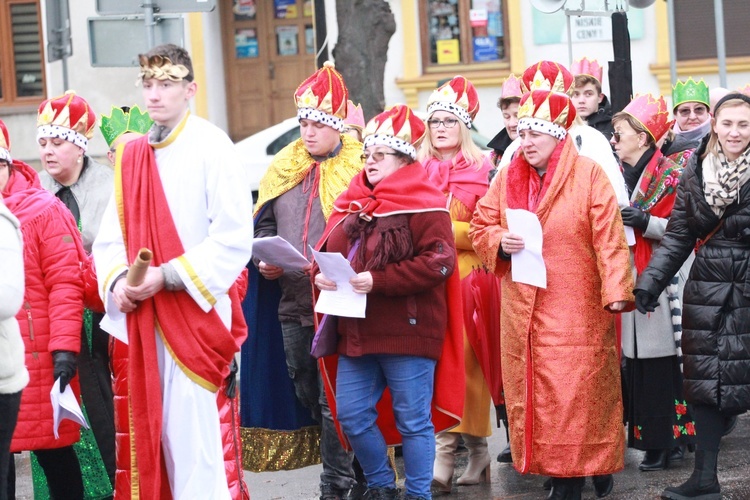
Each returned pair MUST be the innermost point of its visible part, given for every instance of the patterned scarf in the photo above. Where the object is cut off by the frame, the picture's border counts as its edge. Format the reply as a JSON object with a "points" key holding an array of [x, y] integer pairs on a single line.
{"points": [[722, 179]]}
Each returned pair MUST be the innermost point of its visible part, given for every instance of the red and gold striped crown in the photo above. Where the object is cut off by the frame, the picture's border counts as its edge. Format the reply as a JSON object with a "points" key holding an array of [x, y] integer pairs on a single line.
{"points": [[323, 97], [398, 128], [547, 75]]}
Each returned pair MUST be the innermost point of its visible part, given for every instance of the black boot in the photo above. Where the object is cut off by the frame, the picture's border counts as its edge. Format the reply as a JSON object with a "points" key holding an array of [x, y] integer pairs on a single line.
{"points": [[505, 457], [654, 460], [382, 494], [566, 488], [703, 483], [603, 485], [676, 455]]}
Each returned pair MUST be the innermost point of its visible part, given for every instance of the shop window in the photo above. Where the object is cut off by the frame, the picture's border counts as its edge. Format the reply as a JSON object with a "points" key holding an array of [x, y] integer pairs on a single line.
{"points": [[21, 55], [695, 29], [456, 32]]}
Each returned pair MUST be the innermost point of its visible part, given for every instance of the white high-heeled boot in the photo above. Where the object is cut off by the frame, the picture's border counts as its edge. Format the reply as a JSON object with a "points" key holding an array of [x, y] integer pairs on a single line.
{"points": [[478, 468], [445, 460]]}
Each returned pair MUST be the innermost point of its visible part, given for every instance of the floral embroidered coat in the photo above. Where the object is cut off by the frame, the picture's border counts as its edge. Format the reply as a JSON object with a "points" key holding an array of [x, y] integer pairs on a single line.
{"points": [[561, 371]]}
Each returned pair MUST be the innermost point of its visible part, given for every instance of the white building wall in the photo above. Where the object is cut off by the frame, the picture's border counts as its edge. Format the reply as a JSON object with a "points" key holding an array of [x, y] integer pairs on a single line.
{"points": [[105, 87]]}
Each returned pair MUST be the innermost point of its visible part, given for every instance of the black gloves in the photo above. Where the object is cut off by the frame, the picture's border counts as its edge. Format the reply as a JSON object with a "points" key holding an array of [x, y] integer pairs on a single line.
{"points": [[635, 217], [645, 302], [64, 367], [231, 389]]}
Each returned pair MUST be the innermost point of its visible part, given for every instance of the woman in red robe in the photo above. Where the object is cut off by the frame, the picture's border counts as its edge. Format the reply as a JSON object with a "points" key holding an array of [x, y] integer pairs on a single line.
{"points": [[561, 373]]}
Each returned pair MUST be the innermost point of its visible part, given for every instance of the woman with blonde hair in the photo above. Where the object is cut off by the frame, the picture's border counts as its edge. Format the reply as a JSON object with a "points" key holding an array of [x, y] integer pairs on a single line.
{"points": [[460, 170]]}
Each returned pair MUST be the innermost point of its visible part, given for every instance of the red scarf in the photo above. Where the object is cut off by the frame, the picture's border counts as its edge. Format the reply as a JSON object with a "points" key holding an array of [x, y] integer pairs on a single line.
{"points": [[656, 195], [525, 188], [407, 190], [199, 342], [466, 181]]}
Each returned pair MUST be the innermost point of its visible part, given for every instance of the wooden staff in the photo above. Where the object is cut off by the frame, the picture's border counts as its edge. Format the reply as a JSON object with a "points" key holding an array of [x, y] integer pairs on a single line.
{"points": [[137, 272]]}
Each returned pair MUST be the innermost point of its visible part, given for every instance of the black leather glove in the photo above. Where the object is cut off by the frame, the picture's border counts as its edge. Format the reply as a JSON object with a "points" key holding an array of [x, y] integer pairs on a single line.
{"points": [[231, 389], [64, 367], [645, 302], [635, 217]]}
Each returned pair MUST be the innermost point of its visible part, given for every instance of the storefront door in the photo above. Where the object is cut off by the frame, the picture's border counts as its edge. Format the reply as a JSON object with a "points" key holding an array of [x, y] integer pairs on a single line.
{"points": [[268, 50]]}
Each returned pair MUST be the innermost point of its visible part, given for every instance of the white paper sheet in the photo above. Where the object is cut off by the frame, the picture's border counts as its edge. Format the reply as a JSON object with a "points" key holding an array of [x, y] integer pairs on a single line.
{"points": [[276, 251], [114, 322], [65, 405], [344, 301], [629, 236], [528, 264]]}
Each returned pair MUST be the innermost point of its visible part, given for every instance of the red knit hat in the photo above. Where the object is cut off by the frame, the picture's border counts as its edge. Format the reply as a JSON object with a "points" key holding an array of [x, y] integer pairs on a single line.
{"points": [[651, 113], [547, 75], [323, 97], [5, 143], [67, 117], [550, 113], [398, 128], [457, 96]]}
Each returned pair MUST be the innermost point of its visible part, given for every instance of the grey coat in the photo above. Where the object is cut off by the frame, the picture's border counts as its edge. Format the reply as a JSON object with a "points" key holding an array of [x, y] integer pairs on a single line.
{"points": [[653, 333], [92, 191]]}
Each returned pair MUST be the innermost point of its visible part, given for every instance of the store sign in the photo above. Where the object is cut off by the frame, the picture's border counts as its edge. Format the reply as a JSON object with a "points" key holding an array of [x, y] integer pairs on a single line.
{"points": [[552, 29]]}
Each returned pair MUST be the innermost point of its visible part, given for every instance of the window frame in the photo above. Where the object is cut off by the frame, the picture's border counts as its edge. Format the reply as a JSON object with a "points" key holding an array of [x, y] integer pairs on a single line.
{"points": [[9, 99], [697, 9], [465, 41]]}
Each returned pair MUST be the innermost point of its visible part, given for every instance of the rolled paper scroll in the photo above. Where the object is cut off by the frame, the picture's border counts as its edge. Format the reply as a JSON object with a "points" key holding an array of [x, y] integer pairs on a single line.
{"points": [[137, 272]]}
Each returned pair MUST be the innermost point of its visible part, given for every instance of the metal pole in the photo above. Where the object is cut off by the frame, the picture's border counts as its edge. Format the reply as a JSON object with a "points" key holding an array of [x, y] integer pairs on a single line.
{"points": [[570, 41], [65, 72], [148, 15], [672, 43], [721, 52]]}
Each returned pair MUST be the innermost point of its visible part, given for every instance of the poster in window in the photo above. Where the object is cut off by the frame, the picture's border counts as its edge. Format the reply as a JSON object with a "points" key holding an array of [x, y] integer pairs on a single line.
{"points": [[285, 9], [245, 43], [448, 52], [286, 40], [485, 49], [307, 8], [309, 40], [244, 10]]}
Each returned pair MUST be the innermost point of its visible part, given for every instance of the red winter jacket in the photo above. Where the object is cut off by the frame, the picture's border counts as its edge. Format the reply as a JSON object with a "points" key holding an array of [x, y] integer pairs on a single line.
{"points": [[52, 312]]}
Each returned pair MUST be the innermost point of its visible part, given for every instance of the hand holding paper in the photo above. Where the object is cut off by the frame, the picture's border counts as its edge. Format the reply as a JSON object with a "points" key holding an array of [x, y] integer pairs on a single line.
{"points": [[527, 264], [343, 301], [277, 251], [65, 405]]}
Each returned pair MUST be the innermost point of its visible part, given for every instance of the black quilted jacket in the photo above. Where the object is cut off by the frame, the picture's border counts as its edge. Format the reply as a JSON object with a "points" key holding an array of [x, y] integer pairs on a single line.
{"points": [[716, 302]]}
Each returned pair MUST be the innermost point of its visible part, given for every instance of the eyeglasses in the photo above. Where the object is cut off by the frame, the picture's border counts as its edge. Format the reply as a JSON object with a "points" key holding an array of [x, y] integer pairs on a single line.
{"points": [[447, 123], [618, 135], [698, 111], [377, 156]]}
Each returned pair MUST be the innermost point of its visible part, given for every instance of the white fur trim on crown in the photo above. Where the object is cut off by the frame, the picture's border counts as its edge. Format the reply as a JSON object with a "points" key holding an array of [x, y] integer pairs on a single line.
{"points": [[58, 132], [318, 116], [450, 108], [392, 142], [543, 126], [5, 155]]}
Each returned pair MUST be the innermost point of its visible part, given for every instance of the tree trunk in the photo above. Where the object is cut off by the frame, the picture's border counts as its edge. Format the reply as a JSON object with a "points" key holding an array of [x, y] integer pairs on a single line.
{"points": [[365, 28]]}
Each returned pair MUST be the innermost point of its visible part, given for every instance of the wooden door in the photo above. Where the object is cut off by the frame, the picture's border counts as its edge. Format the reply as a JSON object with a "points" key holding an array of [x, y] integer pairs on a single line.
{"points": [[268, 50]]}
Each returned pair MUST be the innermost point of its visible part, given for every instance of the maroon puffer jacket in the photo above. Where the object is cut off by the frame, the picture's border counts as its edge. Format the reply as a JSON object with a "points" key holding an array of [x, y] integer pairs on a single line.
{"points": [[52, 312]]}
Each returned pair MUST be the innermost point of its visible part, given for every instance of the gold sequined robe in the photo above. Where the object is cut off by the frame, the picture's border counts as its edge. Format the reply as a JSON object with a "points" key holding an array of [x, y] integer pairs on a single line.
{"points": [[559, 353]]}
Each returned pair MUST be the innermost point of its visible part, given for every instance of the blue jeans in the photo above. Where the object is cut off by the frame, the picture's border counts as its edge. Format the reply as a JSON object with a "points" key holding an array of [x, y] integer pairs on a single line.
{"points": [[360, 384], [303, 370]]}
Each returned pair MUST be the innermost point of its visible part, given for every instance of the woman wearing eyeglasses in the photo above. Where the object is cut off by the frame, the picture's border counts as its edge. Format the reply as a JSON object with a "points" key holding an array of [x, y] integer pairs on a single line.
{"points": [[393, 226], [712, 210], [561, 374], [459, 169], [692, 119], [659, 422]]}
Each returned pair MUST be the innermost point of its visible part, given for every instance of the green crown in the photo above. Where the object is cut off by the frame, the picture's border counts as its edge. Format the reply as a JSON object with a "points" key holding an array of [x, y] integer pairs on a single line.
{"points": [[120, 122], [690, 91]]}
